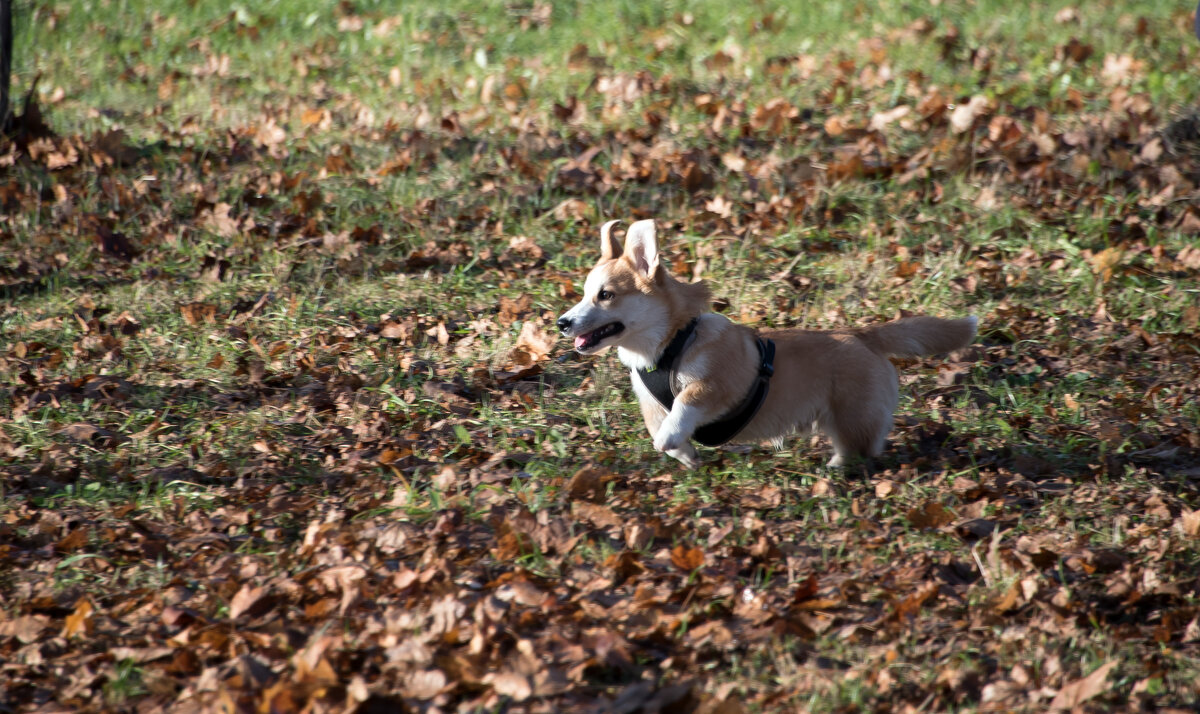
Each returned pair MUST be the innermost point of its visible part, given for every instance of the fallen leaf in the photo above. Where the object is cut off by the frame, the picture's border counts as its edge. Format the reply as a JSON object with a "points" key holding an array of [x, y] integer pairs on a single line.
{"points": [[962, 119], [80, 621], [597, 515], [26, 628], [195, 313], [1076, 693], [687, 559], [589, 483], [512, 685], [881, 120], [245, 599], [1189, 522], [1106, 261], [425, 684], [533, 344], [930, 515], [345, 578], [94, 435]]}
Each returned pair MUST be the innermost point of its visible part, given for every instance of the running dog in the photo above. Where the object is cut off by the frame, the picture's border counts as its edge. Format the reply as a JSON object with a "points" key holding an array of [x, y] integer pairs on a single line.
{"points": [[699, 376]]}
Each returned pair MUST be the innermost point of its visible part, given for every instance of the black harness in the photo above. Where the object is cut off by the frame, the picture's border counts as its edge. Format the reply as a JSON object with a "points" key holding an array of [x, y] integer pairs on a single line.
{"points": [[660, 381]]}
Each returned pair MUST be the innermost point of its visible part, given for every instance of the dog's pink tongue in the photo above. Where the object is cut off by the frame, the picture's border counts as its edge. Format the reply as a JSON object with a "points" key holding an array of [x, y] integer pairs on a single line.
{"points": [[580, 341]]}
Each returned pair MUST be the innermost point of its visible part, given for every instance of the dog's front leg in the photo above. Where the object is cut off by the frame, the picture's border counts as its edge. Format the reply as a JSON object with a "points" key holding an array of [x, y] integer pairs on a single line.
{"points": [[675, 431]]}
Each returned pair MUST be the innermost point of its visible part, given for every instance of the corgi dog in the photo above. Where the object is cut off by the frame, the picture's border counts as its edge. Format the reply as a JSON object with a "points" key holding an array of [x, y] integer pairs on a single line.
{"points": [[699, 376]]}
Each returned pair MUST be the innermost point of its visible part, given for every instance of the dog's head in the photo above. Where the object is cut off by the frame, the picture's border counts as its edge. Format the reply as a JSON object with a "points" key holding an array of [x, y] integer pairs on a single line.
{"points": [[619, 303]]}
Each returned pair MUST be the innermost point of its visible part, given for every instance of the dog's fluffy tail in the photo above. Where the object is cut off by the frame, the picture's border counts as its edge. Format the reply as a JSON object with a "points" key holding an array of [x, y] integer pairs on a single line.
{"points": [[919, 336]]}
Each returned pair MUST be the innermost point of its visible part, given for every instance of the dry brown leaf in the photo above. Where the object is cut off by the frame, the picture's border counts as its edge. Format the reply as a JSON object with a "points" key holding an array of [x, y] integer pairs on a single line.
{"points": [[572, 209], [245, 598], [534, 342], [720, 206], [930, 515], [589, 483], [346, 579], [1106, 261], [523, 593], [513, 309], [638, 536], [1076, 693], [425, 684], [911, 605], [600, 516], [818, 604], [80, 621], [1009, 601], [987, 200], [882, 120], [1189, 523], [1120, 68], [195, 313], [512, 685], [687, 559], [624, 565], [219, 221], [93, 435], [762, 498], [733, 162], [962, 119], [26, 628]]}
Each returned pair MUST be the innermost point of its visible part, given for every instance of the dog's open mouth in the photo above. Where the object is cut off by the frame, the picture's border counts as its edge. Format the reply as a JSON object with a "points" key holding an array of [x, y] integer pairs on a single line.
{"points": [[588, 340]]}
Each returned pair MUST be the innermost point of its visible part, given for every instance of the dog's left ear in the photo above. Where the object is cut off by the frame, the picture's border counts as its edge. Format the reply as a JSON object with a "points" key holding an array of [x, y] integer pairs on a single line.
{"points": [[610, 247], [641, 245]]}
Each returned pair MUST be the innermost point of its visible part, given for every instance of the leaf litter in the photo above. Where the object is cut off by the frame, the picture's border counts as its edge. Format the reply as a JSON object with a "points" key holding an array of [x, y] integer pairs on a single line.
{"points": [[294, 530]]}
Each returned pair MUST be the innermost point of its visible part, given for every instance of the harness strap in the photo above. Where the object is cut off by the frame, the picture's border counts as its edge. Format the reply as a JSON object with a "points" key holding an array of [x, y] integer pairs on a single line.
{"points": [[660, 382], [660, 379]]}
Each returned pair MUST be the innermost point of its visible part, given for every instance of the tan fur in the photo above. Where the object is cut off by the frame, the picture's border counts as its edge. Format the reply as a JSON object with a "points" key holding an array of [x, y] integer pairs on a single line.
{"points": [[839, 382]]}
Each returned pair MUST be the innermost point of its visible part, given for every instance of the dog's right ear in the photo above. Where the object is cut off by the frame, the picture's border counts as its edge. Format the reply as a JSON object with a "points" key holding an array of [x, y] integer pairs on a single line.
{"points": [[641, 245], [610, 247]]}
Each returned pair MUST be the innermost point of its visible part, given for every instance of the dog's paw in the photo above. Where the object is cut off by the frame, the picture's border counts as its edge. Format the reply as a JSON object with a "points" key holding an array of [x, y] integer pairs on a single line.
{"points": [[676, 430], [668, 440], [686, 456]]}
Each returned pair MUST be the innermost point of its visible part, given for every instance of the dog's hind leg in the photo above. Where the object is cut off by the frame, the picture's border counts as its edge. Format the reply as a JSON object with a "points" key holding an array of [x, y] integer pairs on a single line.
{"points": [[856, 436]]}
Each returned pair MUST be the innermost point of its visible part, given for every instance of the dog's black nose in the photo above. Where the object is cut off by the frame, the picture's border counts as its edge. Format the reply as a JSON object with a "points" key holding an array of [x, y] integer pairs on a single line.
{"points": [[564, 324]]}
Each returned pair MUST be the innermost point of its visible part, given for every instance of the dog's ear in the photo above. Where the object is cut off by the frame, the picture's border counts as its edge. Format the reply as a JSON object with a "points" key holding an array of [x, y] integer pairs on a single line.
{"points": [[641, 245], [610, 247]]}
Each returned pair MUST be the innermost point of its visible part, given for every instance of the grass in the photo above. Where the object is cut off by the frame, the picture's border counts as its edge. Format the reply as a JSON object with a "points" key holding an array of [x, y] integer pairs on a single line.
{"points": [[343, 218]]}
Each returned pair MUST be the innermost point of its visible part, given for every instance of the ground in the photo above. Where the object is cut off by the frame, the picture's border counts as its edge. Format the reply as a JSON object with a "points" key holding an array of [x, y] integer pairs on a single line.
{"points": [[284, 423]]}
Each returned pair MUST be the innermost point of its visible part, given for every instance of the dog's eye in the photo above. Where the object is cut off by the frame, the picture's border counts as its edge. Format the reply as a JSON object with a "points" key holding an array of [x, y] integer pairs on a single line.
{"points": [[604, 295]]}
